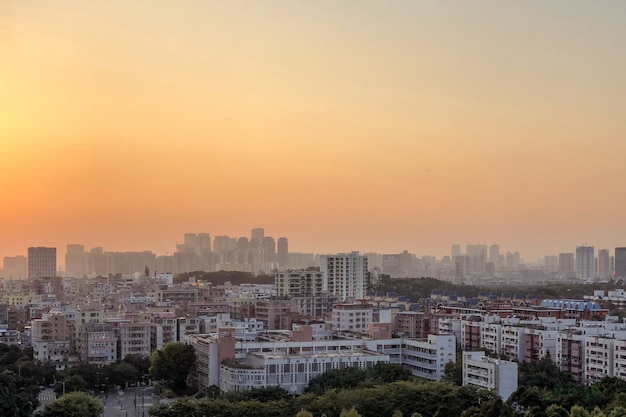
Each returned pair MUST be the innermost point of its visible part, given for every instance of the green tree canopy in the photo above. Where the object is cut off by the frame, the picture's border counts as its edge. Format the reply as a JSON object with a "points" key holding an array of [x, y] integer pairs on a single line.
{"points": [[74, 404], [173, 364]]}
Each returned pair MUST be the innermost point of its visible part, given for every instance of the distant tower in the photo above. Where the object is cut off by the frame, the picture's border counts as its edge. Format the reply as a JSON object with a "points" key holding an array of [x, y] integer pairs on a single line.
{"points": [[566, 264], [269, 247], [42, 262], [494, 253], [75, 261], [258, 234], [283, 252], [620, 262], [604, 264], [585, 263]]}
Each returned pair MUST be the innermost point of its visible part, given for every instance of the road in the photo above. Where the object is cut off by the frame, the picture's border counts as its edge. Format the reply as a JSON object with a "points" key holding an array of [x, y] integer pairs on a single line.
{"points": [[131, 402]]}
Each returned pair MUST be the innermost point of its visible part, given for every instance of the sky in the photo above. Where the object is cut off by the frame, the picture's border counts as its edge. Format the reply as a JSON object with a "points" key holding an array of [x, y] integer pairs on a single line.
{"points": [[350, 125]]}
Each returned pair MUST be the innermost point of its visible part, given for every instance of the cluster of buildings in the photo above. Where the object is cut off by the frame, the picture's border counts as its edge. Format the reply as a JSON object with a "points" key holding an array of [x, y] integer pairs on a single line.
{"points": [[476, 264], [309, 321]]}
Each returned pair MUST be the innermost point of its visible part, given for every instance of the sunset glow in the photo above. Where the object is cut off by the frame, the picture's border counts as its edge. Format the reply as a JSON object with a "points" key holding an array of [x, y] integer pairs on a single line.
{"points": [[352, 125]]}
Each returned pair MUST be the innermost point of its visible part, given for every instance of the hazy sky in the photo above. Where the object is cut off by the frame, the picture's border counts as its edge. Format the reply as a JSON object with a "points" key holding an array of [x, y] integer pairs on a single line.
{"points": [[343, 125]]}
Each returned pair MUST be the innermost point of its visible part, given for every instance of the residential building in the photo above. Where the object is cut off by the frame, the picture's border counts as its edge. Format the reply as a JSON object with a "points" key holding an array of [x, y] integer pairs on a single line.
{"points": [[489, 373], [42, 262], [345, 274], [585, 263]]}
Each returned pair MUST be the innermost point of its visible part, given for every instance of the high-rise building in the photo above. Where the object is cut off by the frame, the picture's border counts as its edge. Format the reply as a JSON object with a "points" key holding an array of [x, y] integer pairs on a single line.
{"points": [[551, 262], [283, 252], [604, 264], [269, 248], [620, 262], [15, 267], [42, 262], [204, 243], [75, 261], [345, 274], [477, 258], [494, 253], [567, 266], [585, 263], [455, 251], [257, 234]]}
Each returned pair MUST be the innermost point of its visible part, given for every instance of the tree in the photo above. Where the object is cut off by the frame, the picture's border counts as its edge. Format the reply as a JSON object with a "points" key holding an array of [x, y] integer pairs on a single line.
{"points": [[350, 413], [172, 364], [74, 404], [17, 397]]}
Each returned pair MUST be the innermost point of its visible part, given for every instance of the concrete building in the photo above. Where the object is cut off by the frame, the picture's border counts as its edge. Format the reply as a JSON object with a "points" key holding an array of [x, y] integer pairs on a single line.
{"points": [[412, 324], [489, 373], [620, 262], [291, 359], [351, 317], [42, 262], [585, 263], [282, 255], [605, 271], [567, 265], [345, 274], [51, 339]]}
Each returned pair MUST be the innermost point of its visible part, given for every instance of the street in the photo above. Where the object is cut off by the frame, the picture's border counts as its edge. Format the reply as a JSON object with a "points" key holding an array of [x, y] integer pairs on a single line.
{"points": [[131, 402]]}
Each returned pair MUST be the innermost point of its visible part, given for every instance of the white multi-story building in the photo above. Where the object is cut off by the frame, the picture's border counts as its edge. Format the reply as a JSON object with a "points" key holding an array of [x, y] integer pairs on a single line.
{"points": [[291, 359], [598, 358], [345, 274], [351, 317], [585, 263], [490, 373], [490, 337], [512, 342]]}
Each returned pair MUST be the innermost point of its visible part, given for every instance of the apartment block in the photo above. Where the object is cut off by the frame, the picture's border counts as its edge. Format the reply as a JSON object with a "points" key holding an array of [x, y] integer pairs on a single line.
{"points": [[351, 317], [489, 373]]}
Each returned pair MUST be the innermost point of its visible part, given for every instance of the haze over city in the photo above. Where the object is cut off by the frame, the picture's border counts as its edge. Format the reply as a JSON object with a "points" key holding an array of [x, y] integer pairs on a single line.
{"points": [[342, 125]]}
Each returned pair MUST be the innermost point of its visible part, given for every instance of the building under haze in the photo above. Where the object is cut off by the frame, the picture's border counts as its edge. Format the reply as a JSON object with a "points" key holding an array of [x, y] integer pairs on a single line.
{"points": [[620, 262], [567, 266], [42, 262], [604, 264], [15, 267], [282, 249], [585, 263], [345, 274]]}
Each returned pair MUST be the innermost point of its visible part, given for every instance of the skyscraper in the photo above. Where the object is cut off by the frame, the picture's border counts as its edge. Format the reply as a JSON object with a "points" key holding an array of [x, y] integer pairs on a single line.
{"points": [[604, 264], [345, 274], [494, 253], [75, 261], [283, 252], [42, 262], [567, 266], [585, 263], [620, 262]]}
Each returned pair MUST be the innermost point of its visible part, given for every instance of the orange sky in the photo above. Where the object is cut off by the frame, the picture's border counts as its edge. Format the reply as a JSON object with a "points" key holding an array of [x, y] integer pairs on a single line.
{"points": [[353, 125]]}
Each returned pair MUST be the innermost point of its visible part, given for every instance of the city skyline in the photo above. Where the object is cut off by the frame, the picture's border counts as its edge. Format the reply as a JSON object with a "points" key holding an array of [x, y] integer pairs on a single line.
{"points": [[491, 251], [340, 125]]}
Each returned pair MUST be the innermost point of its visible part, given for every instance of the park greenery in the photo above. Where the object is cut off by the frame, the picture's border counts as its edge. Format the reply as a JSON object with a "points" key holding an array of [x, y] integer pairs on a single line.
{"points": [[74, 404], [172, 364]]}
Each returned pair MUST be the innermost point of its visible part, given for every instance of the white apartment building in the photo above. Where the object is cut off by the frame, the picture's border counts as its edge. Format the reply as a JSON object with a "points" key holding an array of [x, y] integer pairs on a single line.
{"points": [[291, 359], [299, 283], [512, 342], [345, 274], [490, 336], [599, 358], [494, 374], [351, 317]]}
